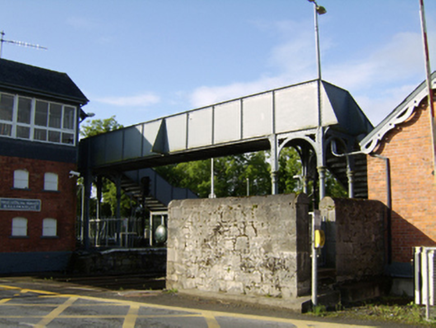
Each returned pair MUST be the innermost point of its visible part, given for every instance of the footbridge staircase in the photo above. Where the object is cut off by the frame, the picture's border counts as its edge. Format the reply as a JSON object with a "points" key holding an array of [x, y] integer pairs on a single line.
{"points": [[151, 190]]}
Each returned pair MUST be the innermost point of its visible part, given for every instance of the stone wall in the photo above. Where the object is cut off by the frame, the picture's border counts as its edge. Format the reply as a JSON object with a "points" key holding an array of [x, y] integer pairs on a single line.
{"points": [[253, 245], [355, 237]]}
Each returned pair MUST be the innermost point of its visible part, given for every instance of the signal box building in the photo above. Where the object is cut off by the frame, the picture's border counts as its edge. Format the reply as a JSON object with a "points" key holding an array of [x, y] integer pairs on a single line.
{"points": [[40, 111]]}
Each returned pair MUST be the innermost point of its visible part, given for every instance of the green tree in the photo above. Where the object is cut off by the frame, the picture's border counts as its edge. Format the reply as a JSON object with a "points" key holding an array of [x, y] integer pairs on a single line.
{"points": [[109, 203], [289, 167], [96, 127], [231, 175]]}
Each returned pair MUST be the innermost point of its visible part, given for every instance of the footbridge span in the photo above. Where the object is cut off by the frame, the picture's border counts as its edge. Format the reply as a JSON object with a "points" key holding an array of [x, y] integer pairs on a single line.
{"points": [[308, 116], [267, 120]]}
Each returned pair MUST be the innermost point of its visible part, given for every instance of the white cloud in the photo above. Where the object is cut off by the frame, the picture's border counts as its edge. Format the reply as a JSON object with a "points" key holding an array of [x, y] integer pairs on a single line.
{"points": [[379, 80], [399, 59], [141, 100], [291, 61]]}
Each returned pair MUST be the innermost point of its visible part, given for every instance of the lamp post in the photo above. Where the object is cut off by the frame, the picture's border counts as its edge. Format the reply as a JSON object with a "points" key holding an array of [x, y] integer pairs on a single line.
{"points": [[318, 10]]}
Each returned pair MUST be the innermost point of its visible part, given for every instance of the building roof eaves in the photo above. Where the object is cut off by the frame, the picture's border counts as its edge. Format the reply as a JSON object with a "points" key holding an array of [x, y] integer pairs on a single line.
{"points": [[399, 115]]}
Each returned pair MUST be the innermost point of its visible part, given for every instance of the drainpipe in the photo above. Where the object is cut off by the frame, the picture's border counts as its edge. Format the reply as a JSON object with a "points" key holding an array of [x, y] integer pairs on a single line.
{"points": [[389, 204]]}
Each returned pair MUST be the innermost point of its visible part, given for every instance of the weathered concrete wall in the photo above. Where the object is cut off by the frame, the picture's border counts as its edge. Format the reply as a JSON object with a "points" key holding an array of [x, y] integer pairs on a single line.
{"points": [[356, 234], [252, 245]]}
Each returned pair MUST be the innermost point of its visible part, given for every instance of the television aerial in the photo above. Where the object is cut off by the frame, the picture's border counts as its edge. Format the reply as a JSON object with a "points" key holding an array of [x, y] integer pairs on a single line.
{"points": [[18, 43]]}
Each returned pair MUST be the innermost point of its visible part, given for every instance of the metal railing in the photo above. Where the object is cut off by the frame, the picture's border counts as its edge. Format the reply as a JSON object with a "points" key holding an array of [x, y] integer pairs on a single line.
{"points": [[425, 278], [129, 232]]}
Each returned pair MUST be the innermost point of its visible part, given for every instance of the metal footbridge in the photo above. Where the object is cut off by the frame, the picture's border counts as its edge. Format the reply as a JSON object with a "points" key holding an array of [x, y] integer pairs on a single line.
{"points": [[309, 116]]}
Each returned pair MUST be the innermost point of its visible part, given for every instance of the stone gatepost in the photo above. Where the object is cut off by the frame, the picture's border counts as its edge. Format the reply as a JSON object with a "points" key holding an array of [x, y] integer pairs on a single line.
{"points": [[251, 245]]}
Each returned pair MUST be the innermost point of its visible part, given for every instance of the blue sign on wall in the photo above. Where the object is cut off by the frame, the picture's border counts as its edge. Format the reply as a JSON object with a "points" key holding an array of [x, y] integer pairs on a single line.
{"points": [[18, 204]]}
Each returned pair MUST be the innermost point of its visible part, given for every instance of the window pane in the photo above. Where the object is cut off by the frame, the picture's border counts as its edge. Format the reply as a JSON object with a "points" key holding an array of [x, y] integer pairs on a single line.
{"points": [[54, 136], [23, 132], [41, 112], [69, 117], [19, 227], [68, 138], [40, 134], [6, 107], [21, 179], [55, 116], [50, 181], [24, 108], [49, 227], [5, 129]]}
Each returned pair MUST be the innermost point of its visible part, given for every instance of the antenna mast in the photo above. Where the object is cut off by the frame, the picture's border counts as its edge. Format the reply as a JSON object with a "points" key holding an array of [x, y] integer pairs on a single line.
{"points": [[18, 43]]}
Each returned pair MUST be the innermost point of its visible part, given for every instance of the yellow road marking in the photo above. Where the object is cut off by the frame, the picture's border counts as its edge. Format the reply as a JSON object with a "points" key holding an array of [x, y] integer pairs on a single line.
{"points": [[9, 287], [5, 300], [130, 320], [210, 316], [210, 320], [55, 313]]}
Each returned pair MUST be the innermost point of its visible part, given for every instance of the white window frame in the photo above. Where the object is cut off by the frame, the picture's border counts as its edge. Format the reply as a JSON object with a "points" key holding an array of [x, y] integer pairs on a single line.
{"points": [[49, 227], [51, 181], [67, 126], [19, 227], [21, 179]]}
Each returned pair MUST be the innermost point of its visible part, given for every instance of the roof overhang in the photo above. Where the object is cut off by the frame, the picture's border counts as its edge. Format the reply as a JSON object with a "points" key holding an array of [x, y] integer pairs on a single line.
{"points": [[399, 115]]}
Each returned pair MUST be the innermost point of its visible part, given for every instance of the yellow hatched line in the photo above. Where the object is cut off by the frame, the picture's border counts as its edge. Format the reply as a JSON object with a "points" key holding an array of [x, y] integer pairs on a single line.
{"points": [[210, 319], [9, 287], [298, 323], [55, 313], [130, 319], [25, 290], [103, 316]]}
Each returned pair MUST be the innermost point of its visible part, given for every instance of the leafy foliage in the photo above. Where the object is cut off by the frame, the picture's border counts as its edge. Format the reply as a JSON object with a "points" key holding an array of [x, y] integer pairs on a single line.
{"points": [[232, 174], [96, 127]]}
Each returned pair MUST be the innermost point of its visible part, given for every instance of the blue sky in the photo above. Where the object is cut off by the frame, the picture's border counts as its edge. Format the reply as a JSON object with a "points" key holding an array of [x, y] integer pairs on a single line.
{"points": [[144, 59]]}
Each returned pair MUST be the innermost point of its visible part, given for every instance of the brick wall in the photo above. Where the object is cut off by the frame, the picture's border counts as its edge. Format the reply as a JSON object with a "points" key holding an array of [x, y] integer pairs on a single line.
{"points": [[59, 205], [409, 148]]}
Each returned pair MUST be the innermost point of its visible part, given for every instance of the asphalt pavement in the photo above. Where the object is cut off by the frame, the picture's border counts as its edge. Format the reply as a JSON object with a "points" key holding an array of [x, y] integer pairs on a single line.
{"points": [[34, 302]]}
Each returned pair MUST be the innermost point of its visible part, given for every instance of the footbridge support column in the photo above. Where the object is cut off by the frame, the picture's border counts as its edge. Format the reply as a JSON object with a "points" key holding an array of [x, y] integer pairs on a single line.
{"points": [[274, 164], [87, 184], [321, 174]]}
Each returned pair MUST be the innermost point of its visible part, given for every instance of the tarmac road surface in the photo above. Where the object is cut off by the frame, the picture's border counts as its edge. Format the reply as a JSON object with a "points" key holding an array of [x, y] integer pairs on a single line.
{"points": [[29, 302]]}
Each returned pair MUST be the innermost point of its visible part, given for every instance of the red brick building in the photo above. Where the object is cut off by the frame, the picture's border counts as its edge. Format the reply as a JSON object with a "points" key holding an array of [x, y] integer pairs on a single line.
{"points": [[40, 111], [403, 141]]}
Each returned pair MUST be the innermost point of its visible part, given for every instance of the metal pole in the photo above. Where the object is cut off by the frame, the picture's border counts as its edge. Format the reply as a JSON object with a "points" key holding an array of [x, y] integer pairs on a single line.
{"points": [[212, 180], [427, 285], [82, 213], [318, 10], [2, 34], [314, 265], [318, 53], [87, 181], [248, 186], [430, 90]]}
